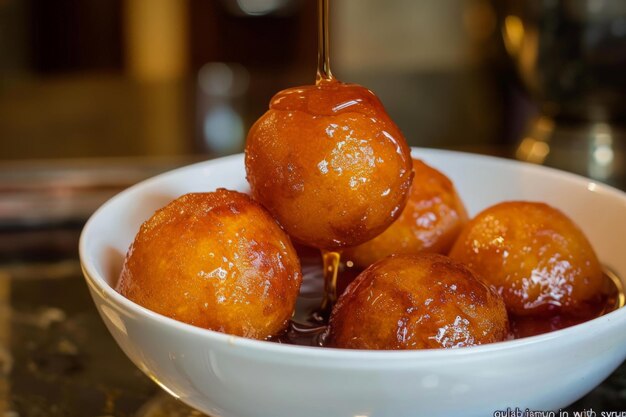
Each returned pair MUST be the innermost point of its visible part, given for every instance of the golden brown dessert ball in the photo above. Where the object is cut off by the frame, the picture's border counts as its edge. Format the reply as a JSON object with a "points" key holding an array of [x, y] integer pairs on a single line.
{"points": [[215, 260], [417, 302], [534, 255], [329, 164], [431, 221]]}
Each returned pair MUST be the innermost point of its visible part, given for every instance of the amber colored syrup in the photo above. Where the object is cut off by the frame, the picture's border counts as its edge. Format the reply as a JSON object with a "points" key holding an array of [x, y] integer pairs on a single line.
{"points": [[611, 298], [329, 96], [330, 259], [330, 268], [323, 44], [309, 328]]}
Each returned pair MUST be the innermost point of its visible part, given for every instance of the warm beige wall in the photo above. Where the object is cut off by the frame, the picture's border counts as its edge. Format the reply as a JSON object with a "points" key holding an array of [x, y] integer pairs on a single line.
{"points": [[400, 35], [156, 33]]}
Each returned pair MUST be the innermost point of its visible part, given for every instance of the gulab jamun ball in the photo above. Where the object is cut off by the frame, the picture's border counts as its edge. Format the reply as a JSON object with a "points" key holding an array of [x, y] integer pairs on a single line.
{"points": [[215, 260], [431, 221], [534, 255], [329, 164], [417, 302]]}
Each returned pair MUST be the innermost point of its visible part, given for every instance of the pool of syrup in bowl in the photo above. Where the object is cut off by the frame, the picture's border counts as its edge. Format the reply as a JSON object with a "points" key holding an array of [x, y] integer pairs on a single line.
{"points": [[611, 298], [305, 328]]}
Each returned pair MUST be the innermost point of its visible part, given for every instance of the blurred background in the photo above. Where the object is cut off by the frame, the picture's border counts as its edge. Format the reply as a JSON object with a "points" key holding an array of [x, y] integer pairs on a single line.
{"points": [[96, 95], [99, 78], [542, 80]]}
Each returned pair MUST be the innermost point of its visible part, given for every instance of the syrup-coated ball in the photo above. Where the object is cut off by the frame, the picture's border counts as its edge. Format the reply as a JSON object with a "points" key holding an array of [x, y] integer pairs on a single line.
{"points": [[329, 164], [417, 302], [534, 255], [215, 260]]}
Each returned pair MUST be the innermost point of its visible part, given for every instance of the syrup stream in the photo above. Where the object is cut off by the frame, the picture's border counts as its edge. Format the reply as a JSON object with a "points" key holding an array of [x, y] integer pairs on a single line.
{"points": [[323, 44], [330, 265], [330, 259]]}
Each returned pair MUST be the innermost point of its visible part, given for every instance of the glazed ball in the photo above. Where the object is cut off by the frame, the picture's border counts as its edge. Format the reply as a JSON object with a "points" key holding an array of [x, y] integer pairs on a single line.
{"points": [[431, 221], [534, 255], [329, 164], [417, 302], [215, 260]]}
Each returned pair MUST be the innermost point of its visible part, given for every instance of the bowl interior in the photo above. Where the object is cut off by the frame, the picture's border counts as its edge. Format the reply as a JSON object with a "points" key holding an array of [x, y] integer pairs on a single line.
{"points": [[214, 372]]}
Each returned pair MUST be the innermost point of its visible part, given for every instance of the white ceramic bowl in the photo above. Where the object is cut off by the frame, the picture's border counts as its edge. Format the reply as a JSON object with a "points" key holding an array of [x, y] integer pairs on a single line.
{"points": [[230, 376]]}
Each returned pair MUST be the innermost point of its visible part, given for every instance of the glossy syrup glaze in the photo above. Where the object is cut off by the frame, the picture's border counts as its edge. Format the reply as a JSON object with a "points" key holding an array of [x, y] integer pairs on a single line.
{"points": [[329, 98]]}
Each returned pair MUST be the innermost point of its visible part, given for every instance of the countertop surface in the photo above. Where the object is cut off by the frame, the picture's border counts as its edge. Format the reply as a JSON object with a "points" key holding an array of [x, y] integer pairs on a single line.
{"points": [[58, 359]]}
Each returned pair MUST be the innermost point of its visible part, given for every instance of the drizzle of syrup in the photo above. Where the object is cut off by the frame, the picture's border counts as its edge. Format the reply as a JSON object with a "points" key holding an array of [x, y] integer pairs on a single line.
{"points": [[324, 78], [323, 44], [330, 268], [331, 98]]}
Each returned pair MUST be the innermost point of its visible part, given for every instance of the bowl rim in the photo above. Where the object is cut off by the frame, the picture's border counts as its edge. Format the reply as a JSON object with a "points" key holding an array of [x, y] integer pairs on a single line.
{"points": [[105, 291]]}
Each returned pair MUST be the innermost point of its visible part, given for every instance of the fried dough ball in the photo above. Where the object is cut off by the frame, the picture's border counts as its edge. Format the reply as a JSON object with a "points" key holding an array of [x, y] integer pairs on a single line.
{"points": [[329, 164], [417, 302], [534, 255], [215, 260], [431, 221]]}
